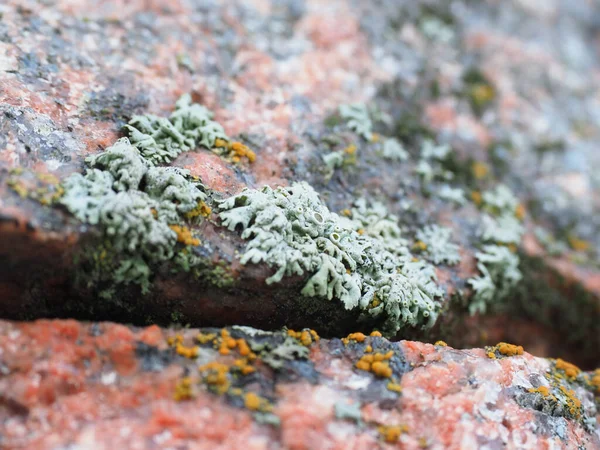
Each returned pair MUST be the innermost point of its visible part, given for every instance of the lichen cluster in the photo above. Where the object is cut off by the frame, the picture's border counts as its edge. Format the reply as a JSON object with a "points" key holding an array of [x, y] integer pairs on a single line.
{"points": [[437, 246], [496, 261], [162, 139], [358, 119], [559, 393], [141, 209], [293, 232]]}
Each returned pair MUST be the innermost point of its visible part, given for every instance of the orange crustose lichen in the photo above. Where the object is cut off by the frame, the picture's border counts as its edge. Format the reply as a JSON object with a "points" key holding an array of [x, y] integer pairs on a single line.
{"points": [[392, 433], [358, 337], [376, 363], [183, 390], [237, 150], [306, 336], [184, 235], [570, 370]]}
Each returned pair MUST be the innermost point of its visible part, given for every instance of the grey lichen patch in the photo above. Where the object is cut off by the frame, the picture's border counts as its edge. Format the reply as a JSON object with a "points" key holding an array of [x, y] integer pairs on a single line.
{"points": [[453, 195], [501, 233], [161, 139], [393, 150], [499, 269], [348, 411], [293, 232], [429, 167], [358, 119], [505, 229], [437, 246], [136, 206]]}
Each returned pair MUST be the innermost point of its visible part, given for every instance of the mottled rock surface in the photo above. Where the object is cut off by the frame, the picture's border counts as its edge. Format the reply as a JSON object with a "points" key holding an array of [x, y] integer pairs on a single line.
{"points": [[511, 87], [67, 384]]}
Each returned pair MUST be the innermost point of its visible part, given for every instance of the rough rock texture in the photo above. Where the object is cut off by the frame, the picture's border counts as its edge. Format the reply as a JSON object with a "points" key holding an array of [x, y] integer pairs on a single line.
{"points": [[274, 74], [510, 87], [66, 384]]}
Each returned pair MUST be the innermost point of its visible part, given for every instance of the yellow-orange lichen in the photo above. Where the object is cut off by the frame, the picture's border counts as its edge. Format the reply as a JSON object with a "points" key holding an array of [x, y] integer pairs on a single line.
{"points": [[573, 403], [174, 340], [183, 389], [376, 363], [358, 337], [201, 209], [255, 402], [350, 150], [543, 390], [188, 352], [595, 381], [184, 235], [205, 338], [570, 370], [520, 211], [441, 343], [392, 433], [509, 349], [394, 387], [243, 366], [480, 169], [578, 244], [306, 336], [476, 197], [375, 334], [419, 246], [215, 375]]}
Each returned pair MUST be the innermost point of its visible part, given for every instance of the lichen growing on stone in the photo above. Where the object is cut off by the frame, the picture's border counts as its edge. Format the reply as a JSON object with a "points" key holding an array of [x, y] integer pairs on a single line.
{"points": [[136, 206], [358, 119], [505, 229], [500, 273], [293, 232], [438, 248], [450, 194], [161, 139], [393, 150]]}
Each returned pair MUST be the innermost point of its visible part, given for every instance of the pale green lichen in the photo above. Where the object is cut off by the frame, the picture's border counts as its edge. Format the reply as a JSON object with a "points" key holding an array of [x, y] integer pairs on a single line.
{"points": [[393, 150], [350, 411], [500, 201], [134, 204], [438, 248], [505, 229], [450, 194], [293, 232], [499, 275], [333, 160], [431, 151], [358, 119], [429, 167], [162, 139]]}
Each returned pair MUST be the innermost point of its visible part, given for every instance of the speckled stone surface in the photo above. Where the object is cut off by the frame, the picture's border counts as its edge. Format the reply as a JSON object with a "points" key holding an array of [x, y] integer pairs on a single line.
{"points": [[512, 86], [67, 384], [73, 72]]}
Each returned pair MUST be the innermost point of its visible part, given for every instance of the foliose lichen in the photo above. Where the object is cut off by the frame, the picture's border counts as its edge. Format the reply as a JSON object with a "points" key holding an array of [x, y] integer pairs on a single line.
{"points": [[499, 274], [450, 194], [501, 233], [161, 139], [438, 248], [293, 232], [135, 205], [393, 150], [358, 119]]}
